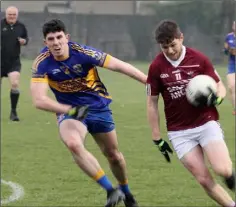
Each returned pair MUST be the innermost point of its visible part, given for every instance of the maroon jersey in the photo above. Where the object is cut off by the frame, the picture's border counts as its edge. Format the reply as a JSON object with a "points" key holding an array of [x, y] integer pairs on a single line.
{"points": [[171, 81]]}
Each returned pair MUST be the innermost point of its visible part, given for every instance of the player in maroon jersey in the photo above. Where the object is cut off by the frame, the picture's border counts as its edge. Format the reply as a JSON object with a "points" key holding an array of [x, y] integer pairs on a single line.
{"points": [[193, 131]]}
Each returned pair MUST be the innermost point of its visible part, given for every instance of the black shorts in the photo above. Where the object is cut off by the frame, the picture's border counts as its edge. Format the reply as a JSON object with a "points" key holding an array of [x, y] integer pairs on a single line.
{"points": [[8, 67]]}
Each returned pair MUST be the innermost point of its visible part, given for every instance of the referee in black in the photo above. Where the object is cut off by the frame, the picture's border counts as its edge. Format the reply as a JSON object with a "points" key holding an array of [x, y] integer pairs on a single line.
{"points": [[13, 36]]}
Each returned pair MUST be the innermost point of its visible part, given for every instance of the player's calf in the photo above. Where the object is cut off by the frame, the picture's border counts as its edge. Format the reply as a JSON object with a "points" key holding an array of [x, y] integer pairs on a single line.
{"points": [[14, 97], [231, 87], [232, 93], [88, 163], [118, 166], [117, 163], [215, 191]]}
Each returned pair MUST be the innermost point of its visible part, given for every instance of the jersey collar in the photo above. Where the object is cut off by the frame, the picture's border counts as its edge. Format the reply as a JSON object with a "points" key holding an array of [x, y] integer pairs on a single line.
{"points": [[176, 63]]}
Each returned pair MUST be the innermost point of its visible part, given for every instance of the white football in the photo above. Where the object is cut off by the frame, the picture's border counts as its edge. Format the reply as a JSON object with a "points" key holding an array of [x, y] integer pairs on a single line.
{"points": [[200, 84]]}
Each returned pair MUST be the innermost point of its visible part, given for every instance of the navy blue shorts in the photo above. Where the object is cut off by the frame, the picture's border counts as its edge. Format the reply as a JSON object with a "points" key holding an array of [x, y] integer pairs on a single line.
{"points": [[97, 121]]}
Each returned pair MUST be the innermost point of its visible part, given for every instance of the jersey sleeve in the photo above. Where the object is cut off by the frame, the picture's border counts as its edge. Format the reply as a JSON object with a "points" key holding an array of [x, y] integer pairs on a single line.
{"points": [[95, 57], [25, 34], [226, 38], [209, 70], [153, 86], [39, 71]]}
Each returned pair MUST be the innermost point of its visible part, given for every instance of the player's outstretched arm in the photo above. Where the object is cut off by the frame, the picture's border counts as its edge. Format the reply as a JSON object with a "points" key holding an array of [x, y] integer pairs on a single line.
{"points": [[120, 66], [42, 101]]}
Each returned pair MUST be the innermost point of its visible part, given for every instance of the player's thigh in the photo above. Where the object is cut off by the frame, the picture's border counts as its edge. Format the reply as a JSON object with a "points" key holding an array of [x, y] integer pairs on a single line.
{"points": [[107, 142], [219, 158], [194, 162], [231, 81], [14, 79], [214, 146], [73, 133], [183, 141]]}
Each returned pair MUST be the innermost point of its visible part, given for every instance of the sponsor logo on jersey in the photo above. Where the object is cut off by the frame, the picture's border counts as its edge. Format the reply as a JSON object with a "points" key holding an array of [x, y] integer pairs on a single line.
{"points": [[164, 75]]}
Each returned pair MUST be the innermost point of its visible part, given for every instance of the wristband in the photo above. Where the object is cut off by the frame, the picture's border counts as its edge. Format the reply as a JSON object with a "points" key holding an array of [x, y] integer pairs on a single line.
{"points": [[219, 100], [226, 51], [158, 142], [72, 112]]}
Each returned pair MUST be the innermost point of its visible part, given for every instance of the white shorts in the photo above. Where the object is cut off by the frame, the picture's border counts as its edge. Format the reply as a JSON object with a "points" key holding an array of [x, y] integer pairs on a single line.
{"points": [[184, 141]]}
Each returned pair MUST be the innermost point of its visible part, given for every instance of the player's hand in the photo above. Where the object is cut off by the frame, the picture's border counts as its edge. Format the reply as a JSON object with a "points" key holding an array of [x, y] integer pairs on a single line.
{"points": [[232, 51], [211, 100], [78, 112], [164, 148], [21, 41]]}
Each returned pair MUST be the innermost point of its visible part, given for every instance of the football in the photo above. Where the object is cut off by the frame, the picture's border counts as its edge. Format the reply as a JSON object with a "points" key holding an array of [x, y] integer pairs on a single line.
{"points": [[200, 85]]}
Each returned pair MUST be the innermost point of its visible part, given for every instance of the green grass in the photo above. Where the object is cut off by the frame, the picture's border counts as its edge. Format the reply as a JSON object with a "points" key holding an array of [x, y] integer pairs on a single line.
{"points": [[33, 155], [5, 192]]}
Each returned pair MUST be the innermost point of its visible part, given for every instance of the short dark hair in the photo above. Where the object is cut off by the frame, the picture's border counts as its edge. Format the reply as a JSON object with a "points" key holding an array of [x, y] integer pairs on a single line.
{"points": [[54, 25], [167, 31]]}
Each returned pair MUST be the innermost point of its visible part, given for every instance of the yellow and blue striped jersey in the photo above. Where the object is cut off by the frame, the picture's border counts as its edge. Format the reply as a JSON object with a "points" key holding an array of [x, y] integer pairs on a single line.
{"points": [[74, 81]]}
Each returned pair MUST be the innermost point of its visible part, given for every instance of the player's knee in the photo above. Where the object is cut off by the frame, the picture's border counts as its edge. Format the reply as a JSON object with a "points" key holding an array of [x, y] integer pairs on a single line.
{"points": [[205, 181], [15, 85], [114, 156], [223, 169], [231, 89], [75, 146]]}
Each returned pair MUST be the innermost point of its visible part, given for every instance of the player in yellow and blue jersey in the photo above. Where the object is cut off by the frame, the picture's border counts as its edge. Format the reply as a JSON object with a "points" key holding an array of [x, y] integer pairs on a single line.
{"points": [[230, 51], [82, 106]]}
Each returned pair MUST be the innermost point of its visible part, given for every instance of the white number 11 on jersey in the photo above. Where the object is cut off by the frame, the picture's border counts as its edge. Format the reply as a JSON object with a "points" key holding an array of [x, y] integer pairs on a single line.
{"points": [[178, 76]]}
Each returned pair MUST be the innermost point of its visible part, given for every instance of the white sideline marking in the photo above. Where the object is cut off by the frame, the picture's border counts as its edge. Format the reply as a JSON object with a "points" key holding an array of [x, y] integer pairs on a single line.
{"points": [[17, 192]]}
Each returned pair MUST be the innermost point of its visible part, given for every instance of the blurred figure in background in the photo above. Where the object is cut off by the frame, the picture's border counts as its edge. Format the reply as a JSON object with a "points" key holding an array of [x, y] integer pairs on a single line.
{"points": [[13, 36], [230, 51]]}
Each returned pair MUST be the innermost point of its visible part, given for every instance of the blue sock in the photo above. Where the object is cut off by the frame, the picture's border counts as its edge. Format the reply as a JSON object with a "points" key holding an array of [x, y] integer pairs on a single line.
{"points": [[105, 183], [125, 188]]}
